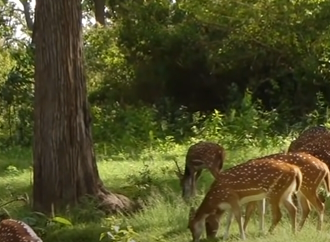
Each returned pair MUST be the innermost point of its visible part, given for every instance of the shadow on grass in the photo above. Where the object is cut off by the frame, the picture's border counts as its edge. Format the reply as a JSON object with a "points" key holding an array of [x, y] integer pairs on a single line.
{"points": [[85, 212], [143, 190], [82, 233]]}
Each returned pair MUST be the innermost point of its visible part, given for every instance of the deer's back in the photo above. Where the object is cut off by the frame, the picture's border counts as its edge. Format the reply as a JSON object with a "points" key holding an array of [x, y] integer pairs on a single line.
{"points": [[305, 161], [307, 136], [320, 148], [254, 174]]}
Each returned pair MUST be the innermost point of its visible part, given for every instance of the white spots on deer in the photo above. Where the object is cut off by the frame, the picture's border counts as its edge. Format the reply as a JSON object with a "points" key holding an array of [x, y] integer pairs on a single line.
{"points": [[308, 136], [317, 144], [314, 172], [17, 231], [301, 171], [251, 181]]}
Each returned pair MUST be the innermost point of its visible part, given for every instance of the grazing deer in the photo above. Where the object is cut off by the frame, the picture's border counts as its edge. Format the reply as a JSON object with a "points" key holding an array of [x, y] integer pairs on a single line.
{"points": [[202, 155], [314, 172], [307, 136], [17, 231], [319, 147], [250, 181]]}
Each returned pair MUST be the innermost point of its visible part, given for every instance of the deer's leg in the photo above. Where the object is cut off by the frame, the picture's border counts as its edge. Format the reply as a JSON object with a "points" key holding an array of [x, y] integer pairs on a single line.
{"points": [[321, 197], [250, 207], [318, 205], [230, 218], [305, 208], [212, 224], [292, 210], [262, 211], [236, 210], [276, 213], [197, 230]]}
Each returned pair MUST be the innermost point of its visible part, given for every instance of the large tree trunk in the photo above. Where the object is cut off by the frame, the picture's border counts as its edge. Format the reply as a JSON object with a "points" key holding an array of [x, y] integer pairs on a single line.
{"points": [[64, 161]]}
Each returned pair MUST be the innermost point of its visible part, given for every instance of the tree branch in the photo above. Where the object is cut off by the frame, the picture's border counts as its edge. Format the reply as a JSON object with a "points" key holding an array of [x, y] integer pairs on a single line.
{"points": [[27, 14]]}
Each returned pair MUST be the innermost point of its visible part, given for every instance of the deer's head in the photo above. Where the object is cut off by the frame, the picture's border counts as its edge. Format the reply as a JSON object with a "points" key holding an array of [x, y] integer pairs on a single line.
{"points": [[185, 183]]}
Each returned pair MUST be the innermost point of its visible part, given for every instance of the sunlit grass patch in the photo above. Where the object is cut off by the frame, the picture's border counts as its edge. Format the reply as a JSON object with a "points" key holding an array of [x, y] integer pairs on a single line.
{"points": [[150, 177]]}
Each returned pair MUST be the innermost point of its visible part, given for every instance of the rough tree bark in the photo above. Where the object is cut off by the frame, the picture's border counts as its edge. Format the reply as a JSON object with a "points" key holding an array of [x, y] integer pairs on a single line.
{"points": [[64, 161]]}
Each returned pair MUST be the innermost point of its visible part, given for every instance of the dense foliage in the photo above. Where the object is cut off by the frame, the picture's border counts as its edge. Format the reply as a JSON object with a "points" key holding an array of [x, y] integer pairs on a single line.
{"points": [[161, 75], [172, 70]]}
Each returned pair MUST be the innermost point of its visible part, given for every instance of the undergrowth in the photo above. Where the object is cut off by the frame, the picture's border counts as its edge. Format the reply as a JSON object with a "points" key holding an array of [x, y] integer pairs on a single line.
{"points": [[139, 164]]}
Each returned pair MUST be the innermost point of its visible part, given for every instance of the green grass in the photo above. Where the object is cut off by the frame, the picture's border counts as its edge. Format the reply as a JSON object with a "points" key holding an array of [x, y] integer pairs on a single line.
{"points": [[165, 217]]}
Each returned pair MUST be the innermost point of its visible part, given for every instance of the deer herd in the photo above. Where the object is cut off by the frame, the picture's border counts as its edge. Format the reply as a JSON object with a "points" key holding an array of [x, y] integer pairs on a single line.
{"points": [[277, 178]]}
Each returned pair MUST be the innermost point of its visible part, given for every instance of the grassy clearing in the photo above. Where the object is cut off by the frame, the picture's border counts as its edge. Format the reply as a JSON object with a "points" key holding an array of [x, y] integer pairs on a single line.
{"points": [[153, 178]]}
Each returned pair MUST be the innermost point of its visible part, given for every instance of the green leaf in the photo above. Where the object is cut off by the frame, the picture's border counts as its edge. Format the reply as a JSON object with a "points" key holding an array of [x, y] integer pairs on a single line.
{"points": [[61, 221], [102, 236]]}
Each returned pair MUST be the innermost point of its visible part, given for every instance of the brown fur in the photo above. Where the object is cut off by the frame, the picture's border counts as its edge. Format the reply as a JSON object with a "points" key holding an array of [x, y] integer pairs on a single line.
{"points": [[307, 136], [253, 179], [202, 155], [17, 231], [314, 172]]}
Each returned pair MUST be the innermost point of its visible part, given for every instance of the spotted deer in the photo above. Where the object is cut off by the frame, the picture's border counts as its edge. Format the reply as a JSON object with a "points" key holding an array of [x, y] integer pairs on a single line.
{"points": [[319, 147], [253, 180], [314, 172], [307, 136], [202, 155], [17, 231]]}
